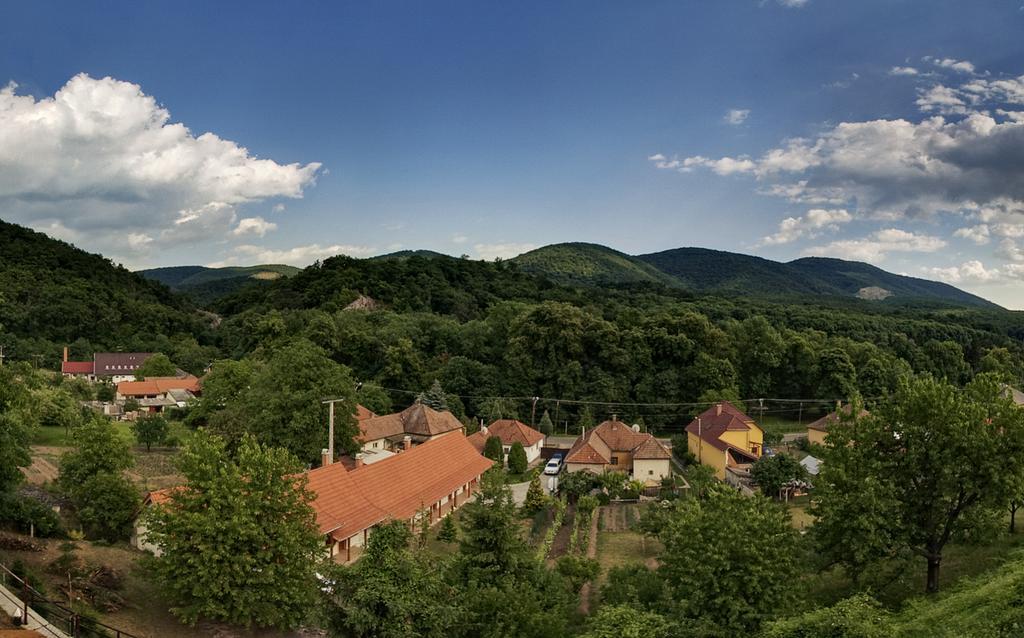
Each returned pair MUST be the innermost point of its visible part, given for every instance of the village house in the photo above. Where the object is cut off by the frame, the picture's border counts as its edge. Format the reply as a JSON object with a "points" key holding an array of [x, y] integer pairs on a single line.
{"points": [[722, 437], [158, 393], [412, 426], [105, 366], [510, 431], [614, 446], [430, 479], [818, 430], [140, 537]]}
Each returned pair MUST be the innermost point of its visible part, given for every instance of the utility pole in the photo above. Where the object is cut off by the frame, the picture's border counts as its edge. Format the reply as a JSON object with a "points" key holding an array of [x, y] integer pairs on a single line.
{"points": [[330, 428], [700, 443], [533, 412], [1, 356]]}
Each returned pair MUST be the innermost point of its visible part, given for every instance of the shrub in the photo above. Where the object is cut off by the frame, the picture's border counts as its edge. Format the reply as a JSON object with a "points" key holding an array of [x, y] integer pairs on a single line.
{"points": [[24, 513], [517, 458]]}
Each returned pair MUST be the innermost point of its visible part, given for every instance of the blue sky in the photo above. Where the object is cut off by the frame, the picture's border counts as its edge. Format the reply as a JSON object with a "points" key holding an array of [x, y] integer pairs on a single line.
{"points": [[775, 127]]}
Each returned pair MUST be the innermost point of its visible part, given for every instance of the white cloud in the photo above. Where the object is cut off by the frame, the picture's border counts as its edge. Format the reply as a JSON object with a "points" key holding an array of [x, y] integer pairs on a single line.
{"points": [[1009, 250], [979, 234], [253, 226], [810, 225], [107, 162], [247, 254], [941, 99], [875, 247], [960, 66], [723, 166], [278, 208], [903, 70], [975, 272], [793, 4], [459, 238], [736, 117], [489, 252]]}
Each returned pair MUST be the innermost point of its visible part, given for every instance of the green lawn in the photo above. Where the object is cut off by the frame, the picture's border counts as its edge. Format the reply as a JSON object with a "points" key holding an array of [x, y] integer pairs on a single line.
{"points": [[780, 424]]}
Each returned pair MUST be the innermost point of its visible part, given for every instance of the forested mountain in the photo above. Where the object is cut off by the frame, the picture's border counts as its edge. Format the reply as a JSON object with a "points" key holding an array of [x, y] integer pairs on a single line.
{"points": [[204, 285], [590, 264], [715, 271], [53, 294]]}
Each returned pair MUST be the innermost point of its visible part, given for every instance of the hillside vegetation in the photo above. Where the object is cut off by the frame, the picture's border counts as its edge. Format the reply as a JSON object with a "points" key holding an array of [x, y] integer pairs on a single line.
{"points": [[205, 285], [53, 294], [590, 264]]}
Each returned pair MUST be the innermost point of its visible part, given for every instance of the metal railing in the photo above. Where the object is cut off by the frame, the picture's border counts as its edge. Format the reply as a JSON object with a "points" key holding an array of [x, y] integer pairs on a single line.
{"points": [[57, 614]]}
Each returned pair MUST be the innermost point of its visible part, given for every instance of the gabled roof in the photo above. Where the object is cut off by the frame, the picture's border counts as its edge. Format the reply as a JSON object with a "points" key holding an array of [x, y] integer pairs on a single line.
{"points": [[416, 419], [363, 413], [110, 363], [478, 440], [348, 501], [722, 417], [619, 437], [511, 431], [76, 367], [158, 497], [831, 418], [157, 385]]}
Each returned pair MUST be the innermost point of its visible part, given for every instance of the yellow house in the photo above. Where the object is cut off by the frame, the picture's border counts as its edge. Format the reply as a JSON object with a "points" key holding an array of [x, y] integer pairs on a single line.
{"points": [[818, 430], [722, 437]]}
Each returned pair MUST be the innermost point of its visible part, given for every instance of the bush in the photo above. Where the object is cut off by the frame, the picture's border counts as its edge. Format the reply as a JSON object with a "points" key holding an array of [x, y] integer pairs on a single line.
{"points": [[494, 451], [577, 570], [517, 458], [107, 504], [536, 499], [25, 513]]}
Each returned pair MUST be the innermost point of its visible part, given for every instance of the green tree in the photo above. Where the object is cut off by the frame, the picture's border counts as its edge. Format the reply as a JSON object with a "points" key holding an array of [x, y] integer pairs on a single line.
{"points": [[702, 540], [536, 499], [240, 540], [98, 448], [448, 532], [434, 397], [931, 464], [391, 592], [624, 621], [771, 473], [15, 433], [546, 427], [585, 421], [107, 503], [150, 430], [494, 450], [517, 458], [837, 378], [156, 366]]}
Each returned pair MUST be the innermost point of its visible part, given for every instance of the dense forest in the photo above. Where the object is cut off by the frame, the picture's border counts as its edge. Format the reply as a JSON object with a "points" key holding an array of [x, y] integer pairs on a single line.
{"points": [[486, 330]]}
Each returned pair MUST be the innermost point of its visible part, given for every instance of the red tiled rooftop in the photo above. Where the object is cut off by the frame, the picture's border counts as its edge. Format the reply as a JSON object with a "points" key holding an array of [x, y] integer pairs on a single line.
{"points": [[511, 431], [76, 367]]}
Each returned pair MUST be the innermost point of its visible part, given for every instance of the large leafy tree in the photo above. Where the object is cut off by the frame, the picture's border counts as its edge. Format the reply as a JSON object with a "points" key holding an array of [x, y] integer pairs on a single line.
{"points": [[15, 433], [159, 365], [391, 592], [240, 540], [150, 430], [729, 559], [931, 464], [771, 473], [98, 448], [107, 504]]}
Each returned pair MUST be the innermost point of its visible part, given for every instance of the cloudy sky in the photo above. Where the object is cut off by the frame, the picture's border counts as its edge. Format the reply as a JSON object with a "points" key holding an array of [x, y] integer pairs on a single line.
{"points": [[887, 131]]}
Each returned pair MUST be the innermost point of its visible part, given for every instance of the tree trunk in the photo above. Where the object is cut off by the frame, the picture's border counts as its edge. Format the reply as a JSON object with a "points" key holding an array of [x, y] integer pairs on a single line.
{"points": [[1013, 517], [933, 574]]}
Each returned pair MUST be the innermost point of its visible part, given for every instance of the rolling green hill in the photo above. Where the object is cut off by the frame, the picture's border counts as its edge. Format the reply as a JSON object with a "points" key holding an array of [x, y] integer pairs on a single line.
{"points": [[53, 294], [590, 264], [206, 285]]}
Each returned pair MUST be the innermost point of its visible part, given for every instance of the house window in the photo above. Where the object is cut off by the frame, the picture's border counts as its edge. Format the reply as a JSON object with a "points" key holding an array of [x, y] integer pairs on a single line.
{"points": [[615, 460], [650, 472]]}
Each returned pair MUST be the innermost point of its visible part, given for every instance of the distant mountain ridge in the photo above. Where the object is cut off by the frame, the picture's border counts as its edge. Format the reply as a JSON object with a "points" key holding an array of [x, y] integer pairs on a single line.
{"points": [[702, 270], [204, 284]]}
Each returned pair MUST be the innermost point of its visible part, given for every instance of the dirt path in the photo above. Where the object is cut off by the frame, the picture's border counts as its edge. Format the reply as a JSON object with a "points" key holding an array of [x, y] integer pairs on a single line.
{"points": [[41, 471]]}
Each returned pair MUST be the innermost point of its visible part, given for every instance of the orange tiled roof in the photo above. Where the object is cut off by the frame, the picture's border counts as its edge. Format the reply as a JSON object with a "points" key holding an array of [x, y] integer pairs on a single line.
{"points": [[416, 419], [478, 440], [363, 413], [511, 430], [77, 367], [348, 501], [157, 385], [619, 437], [158, 497]]}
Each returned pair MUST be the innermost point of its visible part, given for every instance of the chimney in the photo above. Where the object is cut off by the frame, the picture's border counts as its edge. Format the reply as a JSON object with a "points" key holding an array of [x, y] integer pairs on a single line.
{"points": [[325, 457], [615, 417], [407, 442], [584, 433], [359, 460], [839, 405], [718, 409], [65, 353], [483, 428]]}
